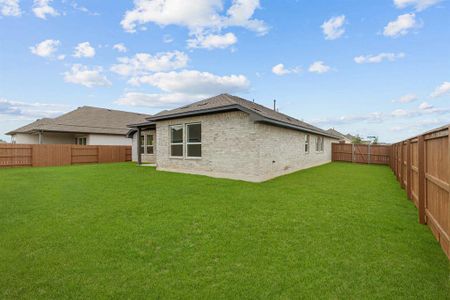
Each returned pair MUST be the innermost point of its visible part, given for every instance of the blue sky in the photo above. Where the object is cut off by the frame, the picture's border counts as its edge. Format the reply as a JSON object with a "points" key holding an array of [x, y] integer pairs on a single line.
{"points": [[364, 67]]}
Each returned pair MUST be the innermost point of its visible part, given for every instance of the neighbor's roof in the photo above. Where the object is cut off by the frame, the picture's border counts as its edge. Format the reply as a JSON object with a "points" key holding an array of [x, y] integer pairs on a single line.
{"points": [[86, 119], [339, 135], [226, 102]]}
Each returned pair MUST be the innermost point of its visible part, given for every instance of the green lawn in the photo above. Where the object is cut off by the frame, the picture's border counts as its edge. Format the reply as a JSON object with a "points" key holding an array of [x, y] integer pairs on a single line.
{"points": [[117, 230]]}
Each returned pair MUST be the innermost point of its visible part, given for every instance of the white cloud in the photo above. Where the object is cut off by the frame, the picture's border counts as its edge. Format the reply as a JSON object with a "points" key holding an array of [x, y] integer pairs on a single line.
{"points": [[194, 82], [196, 15], [30, 110], [399, 113], [401, 25], [441, 90], [120, 47], [319, 67], [334, 28], [10, 8], [374, 59], [80, 74], [84, 9], [280, 70], [419, 5], [42, 8], [202, 17], [425, 106], [408, 98], [46, 48], [84, 50], [156, 100], [143, 63], [212, 41]]}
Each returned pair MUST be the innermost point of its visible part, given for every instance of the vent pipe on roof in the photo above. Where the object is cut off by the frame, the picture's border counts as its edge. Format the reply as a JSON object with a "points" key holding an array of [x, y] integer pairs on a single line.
{"points": [[274, 104]]}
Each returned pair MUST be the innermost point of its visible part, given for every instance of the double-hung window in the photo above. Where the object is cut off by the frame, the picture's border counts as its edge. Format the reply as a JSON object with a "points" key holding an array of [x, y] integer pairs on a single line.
{"points": [[176, 141], [80, 140], [319, 143], [149, 144], [307, 143], [194, 140]]}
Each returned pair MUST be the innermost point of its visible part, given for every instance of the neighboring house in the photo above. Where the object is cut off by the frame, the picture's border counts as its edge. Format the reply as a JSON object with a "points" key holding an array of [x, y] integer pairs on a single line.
{"points": [[84, 126], [343, 138], [230, 137]]}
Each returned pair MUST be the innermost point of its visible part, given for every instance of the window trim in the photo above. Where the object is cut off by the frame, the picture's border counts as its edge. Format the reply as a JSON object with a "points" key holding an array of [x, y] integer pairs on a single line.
{"points": [[146, 145], [319, 144], [173, 144], [307, 144], [193, 143], [79, 138]]}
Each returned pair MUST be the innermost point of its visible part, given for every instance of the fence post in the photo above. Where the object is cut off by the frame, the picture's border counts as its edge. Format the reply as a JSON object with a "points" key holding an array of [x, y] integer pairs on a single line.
{"points": [[400, 172], [448, 181], [353, 153], [422, 195], [408, 169], [368, 156]]}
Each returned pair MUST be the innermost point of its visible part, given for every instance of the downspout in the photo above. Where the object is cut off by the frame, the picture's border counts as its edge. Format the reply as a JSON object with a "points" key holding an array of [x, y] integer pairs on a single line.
{"points": [[139, 158]]}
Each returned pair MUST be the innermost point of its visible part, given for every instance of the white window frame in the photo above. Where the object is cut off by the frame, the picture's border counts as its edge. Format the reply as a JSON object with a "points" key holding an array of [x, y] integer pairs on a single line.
{"points": [[307, 145], [80, 138], [193, 143], [146, 145], [319, 143], [173, 144]]}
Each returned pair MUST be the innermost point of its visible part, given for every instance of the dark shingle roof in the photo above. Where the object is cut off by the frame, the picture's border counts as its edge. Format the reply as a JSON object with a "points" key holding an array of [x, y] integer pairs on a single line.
{"points": [[226, 101], [86, 119]]}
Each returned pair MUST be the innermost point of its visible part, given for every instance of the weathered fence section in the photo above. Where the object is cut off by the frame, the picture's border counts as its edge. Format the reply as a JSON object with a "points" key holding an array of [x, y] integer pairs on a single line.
{"points": [[361, 153], [421, 165], [16, 155]]}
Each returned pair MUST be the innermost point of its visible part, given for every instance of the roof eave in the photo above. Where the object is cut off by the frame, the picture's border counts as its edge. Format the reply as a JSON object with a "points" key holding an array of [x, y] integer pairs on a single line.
{"points": [[196, 112], [291, 126]]}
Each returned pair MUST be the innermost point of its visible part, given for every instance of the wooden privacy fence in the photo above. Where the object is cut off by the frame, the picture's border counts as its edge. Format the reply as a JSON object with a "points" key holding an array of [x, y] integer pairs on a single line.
{"points": [[360, 153], [421, 165], [16, 155]]}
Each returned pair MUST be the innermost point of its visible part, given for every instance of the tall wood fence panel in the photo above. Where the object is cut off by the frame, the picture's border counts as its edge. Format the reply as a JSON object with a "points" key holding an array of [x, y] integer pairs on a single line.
{"points": [[366, 154], [16, 155], [422, 168]]}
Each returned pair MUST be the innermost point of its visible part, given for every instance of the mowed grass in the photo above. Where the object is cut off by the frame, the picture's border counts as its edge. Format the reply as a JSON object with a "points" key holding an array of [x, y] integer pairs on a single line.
{"points": [[121, 231]]}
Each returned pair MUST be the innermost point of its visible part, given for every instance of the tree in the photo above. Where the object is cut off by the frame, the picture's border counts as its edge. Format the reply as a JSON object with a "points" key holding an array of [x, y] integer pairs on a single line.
{"points": [[357, 140]]}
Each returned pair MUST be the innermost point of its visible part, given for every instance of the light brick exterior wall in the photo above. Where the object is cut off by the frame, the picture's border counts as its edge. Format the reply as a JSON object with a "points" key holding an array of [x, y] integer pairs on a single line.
{"points": [[282, 151], [233, 146], [145, 158]]}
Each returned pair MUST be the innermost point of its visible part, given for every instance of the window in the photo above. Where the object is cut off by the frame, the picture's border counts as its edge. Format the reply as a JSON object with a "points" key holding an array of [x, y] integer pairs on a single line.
{"points": [[80, 140], [307, 143], [149, 144], [319, 143], [176, 141], [194, 140]]}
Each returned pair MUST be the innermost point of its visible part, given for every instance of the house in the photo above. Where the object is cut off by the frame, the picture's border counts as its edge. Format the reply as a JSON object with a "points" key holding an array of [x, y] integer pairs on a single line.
{"points": [[230, 137], [343, 138], [84, 126]]}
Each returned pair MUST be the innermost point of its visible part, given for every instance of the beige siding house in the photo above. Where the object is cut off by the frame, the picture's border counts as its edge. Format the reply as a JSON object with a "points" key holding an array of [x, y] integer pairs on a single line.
{"points": [[343, 138], [85, 126], [230, 137]]}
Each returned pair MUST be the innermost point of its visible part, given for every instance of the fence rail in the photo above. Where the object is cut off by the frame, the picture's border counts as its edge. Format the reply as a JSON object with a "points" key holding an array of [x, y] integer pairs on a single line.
{"points": [[421, 165], [60, 155], [366, 154]]}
